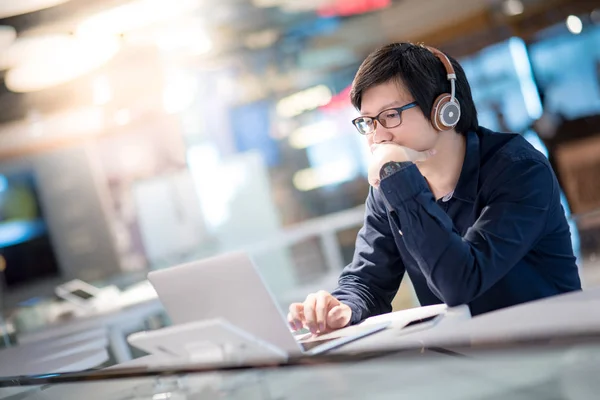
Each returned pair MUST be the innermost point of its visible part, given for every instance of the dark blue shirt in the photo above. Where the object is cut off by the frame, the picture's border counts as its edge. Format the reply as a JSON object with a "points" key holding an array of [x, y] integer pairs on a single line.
{"points": [[500, 240]]}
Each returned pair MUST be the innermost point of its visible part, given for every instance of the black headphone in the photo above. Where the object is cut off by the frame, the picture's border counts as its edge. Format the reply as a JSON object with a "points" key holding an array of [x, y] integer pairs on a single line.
{"points": [[445, 112]]}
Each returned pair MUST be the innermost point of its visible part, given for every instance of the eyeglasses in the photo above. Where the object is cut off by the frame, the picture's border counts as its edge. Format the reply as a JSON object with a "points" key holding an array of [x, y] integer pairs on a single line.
{"points": [[390, 118]]}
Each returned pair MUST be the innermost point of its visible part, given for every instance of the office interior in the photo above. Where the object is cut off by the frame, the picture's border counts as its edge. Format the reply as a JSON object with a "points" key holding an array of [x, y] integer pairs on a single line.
{"points": [[141, 134]]}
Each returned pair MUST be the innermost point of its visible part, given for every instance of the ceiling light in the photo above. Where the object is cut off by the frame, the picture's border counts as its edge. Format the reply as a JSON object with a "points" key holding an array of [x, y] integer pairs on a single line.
{"points": [[179, 36], [101, 90], [10, 8], [133, 15], [191, 38], [7, 36], [574, 24], [26, 48], [512, 7], [60, 64], [312, 134], [305, 100]]}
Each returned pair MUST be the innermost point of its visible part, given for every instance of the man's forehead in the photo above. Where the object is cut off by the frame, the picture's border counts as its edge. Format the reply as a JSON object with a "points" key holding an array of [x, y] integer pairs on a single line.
{"points": [[380, 96]]}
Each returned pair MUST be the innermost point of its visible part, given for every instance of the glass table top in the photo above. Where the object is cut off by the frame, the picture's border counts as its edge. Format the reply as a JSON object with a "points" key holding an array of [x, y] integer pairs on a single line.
{"points": [[552, 369]]}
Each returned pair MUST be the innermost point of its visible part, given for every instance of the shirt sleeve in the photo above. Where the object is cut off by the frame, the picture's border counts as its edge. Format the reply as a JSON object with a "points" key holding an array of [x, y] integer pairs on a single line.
{"points": [[460, 268], [368, 285]]}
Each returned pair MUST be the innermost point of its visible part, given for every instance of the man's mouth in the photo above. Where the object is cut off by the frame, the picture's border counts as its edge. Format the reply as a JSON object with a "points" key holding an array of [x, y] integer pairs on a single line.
{"points": [[375, 146]]}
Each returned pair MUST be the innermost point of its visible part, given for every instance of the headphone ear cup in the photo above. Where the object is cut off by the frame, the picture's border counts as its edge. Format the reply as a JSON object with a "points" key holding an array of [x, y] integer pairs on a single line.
{"points": [[436, 119], [445, 113]]}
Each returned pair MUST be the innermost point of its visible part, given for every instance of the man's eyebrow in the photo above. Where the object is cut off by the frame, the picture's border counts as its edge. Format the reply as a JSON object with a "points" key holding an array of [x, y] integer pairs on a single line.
{"points": [[386, 106]]}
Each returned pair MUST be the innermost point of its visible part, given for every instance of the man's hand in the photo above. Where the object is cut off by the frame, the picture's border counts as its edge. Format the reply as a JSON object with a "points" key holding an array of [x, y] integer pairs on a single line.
{"points": [[386, 152], [320, 312]]}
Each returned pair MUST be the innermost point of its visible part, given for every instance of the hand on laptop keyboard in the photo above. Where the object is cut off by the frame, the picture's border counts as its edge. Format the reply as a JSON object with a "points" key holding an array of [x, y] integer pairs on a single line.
{"points": [[320, 313]]}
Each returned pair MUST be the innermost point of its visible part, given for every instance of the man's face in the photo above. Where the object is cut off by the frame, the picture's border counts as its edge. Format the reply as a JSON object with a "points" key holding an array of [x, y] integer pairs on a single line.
{"points": [[415, 131]]}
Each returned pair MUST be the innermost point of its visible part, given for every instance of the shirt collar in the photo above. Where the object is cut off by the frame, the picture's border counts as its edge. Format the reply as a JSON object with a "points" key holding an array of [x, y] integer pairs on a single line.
{"points": [[468, 182]]}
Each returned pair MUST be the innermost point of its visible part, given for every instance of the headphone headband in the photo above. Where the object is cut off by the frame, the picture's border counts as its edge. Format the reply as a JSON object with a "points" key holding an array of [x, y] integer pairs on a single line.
{"points": [[450, 74], [445, 112], [445, 60]]}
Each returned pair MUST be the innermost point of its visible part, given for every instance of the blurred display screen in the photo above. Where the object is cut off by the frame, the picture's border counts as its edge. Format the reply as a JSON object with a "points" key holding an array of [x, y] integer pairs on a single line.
{"points": [[251, 128], [503, 87], [20, 218], [566, 68]]}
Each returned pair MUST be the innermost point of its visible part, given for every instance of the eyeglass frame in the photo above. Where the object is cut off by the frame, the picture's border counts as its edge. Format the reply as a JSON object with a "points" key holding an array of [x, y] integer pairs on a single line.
{"points": [[376, 120]]}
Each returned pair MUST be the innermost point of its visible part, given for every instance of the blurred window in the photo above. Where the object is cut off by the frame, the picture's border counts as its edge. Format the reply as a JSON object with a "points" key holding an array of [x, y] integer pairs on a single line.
{"points": [[502, 85], [566, 67]]}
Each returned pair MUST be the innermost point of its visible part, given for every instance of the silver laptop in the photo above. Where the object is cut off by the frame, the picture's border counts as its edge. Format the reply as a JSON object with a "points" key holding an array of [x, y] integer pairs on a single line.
{"points": [[230, 287]]}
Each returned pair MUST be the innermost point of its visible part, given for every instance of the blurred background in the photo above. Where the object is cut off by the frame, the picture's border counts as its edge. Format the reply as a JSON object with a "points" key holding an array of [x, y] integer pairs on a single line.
{"points": [[139, 134]]}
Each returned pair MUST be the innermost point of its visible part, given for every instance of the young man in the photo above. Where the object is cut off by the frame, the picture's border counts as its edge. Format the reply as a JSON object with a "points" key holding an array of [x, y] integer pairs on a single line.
{"points": [[472, 216]]}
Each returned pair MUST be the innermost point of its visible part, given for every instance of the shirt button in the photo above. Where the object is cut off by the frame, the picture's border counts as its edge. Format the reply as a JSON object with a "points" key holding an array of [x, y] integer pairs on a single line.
{"points": [[400, 232]]}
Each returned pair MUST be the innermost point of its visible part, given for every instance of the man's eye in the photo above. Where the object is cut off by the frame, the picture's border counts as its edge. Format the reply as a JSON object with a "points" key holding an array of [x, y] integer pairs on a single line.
{"points": [[392, 115]]}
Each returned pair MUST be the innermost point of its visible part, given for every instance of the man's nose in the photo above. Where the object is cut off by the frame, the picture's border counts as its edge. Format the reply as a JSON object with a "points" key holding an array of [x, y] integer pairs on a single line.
{"points": [[381, 134]]}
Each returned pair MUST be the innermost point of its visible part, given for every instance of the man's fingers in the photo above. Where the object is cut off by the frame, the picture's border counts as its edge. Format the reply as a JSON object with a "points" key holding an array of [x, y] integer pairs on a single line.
{"points": [[419, 156], [309, 312], [295, 324], [339, 316], [317, 312], [296, 316], [431, 153], [334, 316], [322, 304], [375, 182]]}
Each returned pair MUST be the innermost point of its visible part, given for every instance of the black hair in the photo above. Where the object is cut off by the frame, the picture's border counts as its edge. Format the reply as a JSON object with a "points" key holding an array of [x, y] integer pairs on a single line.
{"points": [[421, 73]]}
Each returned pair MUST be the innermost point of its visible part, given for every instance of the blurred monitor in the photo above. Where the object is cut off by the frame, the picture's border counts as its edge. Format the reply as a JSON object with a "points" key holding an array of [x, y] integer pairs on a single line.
{"points": [[25, 249], [251, 126], [566, 68]]}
